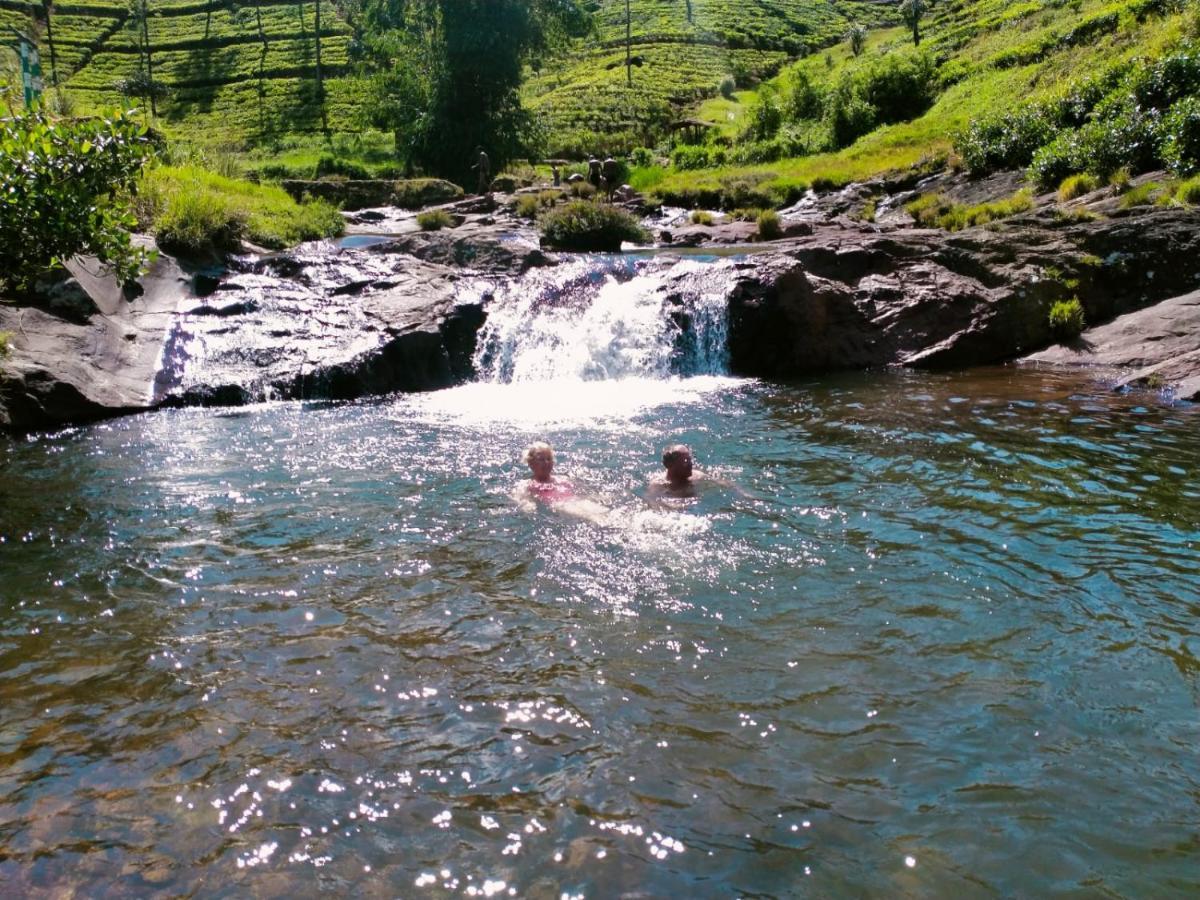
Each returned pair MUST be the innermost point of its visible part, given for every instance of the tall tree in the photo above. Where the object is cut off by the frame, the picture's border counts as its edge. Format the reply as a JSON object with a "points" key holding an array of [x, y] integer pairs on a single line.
{"points": [[449, 74], [141, 10], [46, 8], [912, 11]]}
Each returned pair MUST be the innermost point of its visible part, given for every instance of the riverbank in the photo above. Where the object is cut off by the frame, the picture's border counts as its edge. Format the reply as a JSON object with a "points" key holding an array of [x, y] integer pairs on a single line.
{"points": [[377, 313]]}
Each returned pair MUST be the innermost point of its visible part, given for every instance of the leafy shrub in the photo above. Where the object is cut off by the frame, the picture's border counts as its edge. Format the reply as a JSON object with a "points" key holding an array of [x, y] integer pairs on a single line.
{"points": [[61, 189], [768, 225], [764, 118], [1077, 186], [1066, 319], [901, 86], [581, 225], [848, 115], [1189, 191], [437, 219], [688, 157], [802, 100], [701, 217], [1181, 136], [643, 157], [727, 86], [1006, 141], [856, 35], [787, 191], [744, 192], [526, 207]]}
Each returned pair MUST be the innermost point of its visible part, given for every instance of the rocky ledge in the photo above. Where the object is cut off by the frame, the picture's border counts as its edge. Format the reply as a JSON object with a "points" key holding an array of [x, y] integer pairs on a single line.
{"points": [[384, 313]]}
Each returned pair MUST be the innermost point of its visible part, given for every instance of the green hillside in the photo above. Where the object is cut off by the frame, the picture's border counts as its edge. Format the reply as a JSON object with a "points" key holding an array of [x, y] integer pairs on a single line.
{"points": [[228, 72], [684, 49]]}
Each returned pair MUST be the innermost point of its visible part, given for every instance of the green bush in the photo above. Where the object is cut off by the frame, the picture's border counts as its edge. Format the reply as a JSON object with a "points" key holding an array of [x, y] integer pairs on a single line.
{"points": [[727, 86], [437, 219], [1066, 319], [687, 157], [848, 115], [802, 100], [1189, 191], [744, 192], [1077, 186], [764, 117], [197, 221], [581, 225], [643, 157], [582, 190], [1006, 141], [768, 225], [701, 217], [1181, 136], [62, 190], [526, 207]]}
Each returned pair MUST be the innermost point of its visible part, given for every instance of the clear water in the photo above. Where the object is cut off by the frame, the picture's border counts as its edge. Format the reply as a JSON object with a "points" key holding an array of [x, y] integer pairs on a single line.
{"points": [[927, 634], [942, 638]]}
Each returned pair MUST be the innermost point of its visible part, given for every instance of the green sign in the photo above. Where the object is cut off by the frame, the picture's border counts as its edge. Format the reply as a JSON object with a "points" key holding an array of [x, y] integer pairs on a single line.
{"points": [[31, 72]]}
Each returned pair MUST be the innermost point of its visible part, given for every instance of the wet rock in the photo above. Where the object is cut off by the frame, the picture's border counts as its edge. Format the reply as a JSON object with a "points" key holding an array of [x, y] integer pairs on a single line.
{"points": [[1156, 347], [485, 248]]}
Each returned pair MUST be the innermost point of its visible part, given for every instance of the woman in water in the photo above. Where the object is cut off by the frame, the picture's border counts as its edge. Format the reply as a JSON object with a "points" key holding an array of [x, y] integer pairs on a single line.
{"points": [[543, 484]]}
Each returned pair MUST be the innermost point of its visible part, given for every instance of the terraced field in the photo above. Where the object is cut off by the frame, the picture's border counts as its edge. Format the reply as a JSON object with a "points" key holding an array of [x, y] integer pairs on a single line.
{"points": [[231, 72], [684, 49]]}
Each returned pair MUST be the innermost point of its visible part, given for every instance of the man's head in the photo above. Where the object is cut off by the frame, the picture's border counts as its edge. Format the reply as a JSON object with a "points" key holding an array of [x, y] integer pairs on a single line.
{"points": [[539, 456], [678, 461]]}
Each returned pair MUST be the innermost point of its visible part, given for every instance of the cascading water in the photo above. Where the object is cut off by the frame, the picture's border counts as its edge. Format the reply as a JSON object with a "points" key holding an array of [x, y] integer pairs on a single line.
{"points": [[605, 319]]}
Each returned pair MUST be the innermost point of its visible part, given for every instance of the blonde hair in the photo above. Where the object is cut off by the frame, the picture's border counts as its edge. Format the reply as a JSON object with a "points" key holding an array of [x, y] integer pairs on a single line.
{"points": [[537, 448], [675, 451]]}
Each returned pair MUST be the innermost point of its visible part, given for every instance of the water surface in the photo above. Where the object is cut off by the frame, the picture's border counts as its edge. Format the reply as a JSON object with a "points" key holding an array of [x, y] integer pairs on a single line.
{"points": [[940, 638]]}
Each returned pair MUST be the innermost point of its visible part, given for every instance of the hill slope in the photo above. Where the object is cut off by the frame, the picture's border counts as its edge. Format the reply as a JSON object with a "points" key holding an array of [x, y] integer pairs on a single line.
{"points": [[230, 72]]}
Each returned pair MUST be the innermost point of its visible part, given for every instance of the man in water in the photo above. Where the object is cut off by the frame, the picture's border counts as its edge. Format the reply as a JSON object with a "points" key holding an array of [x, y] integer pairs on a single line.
{"points": [[681, 478]]}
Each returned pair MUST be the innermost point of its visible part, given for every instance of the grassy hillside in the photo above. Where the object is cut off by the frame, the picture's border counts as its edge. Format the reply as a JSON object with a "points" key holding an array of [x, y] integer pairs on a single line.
{"points": [[585, 100], [989, 57], [230, 72]]}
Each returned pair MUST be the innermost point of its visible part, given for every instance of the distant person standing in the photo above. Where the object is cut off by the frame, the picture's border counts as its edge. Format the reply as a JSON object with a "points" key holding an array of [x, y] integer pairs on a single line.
{"points": [[556, 173], [594, 171], [484, 167], [610, 171]]}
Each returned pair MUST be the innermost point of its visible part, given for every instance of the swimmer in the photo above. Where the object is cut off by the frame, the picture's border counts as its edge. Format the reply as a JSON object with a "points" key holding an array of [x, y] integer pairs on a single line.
{"points": [[681, 478], [543, 484], [545, 487]]}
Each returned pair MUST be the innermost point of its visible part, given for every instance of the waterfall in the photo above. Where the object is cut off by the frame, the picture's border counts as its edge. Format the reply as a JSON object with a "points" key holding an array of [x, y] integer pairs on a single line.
{"points": [[603, 319]]}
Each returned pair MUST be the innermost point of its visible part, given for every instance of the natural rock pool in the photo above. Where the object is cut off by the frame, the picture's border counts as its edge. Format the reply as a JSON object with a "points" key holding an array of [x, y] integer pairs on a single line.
{"points": [[943, 640]]}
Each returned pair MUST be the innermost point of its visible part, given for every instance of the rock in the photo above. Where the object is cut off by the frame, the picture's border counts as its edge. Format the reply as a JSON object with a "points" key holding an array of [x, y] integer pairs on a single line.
{"points": [[479, 248], [97, 359], [1155, 347]]}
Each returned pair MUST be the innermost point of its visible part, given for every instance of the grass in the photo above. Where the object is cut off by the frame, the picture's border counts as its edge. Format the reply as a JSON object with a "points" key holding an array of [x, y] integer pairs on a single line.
{"points": [[935, 211], [192, 210], [701, 217], [434, 220], [1077, 185], [527, 206], [768, 225], [5, 347], [1067, 319], [1188, 191]]}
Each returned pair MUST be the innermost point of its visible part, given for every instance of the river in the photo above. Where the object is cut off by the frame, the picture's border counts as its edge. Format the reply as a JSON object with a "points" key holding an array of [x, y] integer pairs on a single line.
{"points": [[928, 634]]}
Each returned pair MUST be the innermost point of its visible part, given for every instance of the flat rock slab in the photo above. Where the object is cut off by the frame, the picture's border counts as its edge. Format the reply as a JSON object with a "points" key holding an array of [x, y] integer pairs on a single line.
{"points": [[1156, 347]]}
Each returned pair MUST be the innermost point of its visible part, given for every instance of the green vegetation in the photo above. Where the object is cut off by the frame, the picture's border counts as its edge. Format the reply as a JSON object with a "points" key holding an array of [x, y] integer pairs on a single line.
{"points": [[935, 211], [768, 225], [1077, 186], [434, 220], [701, 217], [527, 206], [583, 225], [1188, 191], [62, 193], [5, 343], [1144, 194], [1066, 319], [191, 210]]}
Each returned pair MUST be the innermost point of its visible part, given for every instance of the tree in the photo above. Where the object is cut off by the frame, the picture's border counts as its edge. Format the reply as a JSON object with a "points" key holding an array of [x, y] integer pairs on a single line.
{"points": [[912, 11], [141, 12], [61, 192], [449, 74], [857, 36]]}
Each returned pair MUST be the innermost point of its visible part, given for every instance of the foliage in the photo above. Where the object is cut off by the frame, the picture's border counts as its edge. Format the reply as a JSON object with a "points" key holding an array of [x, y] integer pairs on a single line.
{"points": [[935, 211], [1007, 140], [582, 190], [1077, 186], [1143, 194], [450, 74], [912, 11], [582, 225], [727, 86], [62, 193], [1181, 136], [191, 210], [764, 119], [856, 36], [768, 225], [802, 98], [527, 206], [1067, 319], [437, 219], [893, 88], [335, 165], [701, 217], [1189, 191], [5, 345], [688, 156]]}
